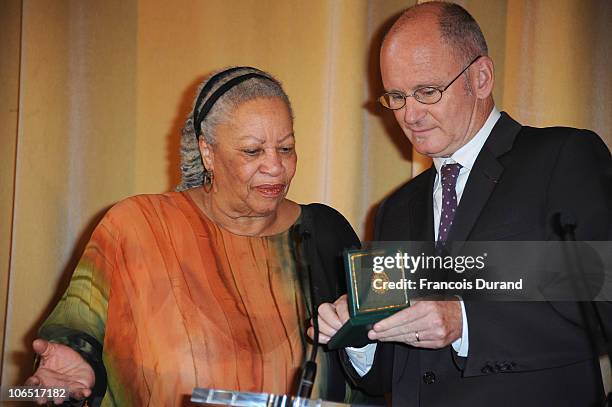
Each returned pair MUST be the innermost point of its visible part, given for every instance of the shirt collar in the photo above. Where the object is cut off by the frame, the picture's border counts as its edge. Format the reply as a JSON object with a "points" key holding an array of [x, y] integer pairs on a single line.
{"points": [[467, 154]]}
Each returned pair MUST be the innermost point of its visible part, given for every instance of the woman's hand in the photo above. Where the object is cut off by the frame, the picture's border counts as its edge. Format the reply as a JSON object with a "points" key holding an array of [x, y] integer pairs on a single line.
{"points": [[61, 366], [331, 319]]}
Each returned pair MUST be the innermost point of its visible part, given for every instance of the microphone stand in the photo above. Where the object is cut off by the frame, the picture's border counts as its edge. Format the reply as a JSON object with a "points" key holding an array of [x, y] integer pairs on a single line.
{"points": [[588, 309], [309, 372]]}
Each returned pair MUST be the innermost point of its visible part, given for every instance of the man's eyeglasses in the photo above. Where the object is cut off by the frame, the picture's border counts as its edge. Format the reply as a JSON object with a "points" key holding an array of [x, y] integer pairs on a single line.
{"points": [[428, 95]]}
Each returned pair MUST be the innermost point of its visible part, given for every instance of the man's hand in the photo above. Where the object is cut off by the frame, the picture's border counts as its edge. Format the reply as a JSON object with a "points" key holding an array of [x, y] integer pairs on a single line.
{"points": [[61, 366], [331, 319], [425, 324]]}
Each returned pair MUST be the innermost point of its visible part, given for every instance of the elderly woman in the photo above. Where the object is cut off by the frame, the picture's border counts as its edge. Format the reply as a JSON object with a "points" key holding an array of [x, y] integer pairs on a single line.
{"points": [[209, 286]]}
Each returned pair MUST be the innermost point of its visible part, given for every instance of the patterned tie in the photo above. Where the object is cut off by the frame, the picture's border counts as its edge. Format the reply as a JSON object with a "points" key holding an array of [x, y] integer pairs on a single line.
{"points": [[449, 172]]}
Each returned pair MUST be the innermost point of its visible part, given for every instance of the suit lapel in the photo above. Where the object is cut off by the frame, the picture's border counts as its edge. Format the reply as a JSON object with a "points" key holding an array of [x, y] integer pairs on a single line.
{"points": [[484, 176], [421, 213], [481, 183]]}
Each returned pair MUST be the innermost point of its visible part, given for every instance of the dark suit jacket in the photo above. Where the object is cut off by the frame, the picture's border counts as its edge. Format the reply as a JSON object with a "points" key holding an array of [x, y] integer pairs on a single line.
{"points": [[520, 354]]}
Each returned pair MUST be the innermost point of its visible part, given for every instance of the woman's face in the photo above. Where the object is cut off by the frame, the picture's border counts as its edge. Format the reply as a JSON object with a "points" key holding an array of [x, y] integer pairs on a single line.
{"points": [[253, 158]]}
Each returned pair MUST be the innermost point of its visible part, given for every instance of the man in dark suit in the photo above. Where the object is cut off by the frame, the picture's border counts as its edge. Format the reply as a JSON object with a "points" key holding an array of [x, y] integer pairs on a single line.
{"points": [[492, 179]]}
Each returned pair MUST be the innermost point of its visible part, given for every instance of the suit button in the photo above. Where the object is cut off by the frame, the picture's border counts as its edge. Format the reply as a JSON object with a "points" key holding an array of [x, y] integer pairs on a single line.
{"points": [[487, 369], [429, 378], [504, 367]]}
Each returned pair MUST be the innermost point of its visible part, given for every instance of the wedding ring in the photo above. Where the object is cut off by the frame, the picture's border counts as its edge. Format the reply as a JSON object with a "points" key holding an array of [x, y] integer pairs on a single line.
{"points": [[416, 335]]}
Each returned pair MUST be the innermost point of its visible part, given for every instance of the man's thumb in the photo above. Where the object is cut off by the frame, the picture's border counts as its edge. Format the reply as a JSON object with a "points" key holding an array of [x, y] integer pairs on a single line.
{"points": [[40, 346]]}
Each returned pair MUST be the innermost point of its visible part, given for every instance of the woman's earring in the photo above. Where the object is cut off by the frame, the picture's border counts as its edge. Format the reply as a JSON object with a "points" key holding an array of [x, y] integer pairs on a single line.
{"points": [[209, 177]]}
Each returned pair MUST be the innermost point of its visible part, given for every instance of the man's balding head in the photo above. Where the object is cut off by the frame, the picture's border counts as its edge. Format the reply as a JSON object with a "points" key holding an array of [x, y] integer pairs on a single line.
{"points": [[455, 27]]}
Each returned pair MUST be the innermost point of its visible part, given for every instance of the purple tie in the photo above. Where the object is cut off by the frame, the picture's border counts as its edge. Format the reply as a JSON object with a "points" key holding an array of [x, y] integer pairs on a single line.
{"points": [[449, 173]]}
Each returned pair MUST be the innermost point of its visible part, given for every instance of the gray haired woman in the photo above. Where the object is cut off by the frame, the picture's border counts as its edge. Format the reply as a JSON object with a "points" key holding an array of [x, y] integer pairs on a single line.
{"points": [[209, 286]]}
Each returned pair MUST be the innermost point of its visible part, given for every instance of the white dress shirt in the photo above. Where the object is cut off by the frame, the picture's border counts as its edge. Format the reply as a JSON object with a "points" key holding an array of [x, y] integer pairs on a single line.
{"points": [[362, 358]]}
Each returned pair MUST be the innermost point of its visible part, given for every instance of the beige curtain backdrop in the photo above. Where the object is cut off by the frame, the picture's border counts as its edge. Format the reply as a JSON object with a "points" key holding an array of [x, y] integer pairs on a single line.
{"points": [[93, 95]]}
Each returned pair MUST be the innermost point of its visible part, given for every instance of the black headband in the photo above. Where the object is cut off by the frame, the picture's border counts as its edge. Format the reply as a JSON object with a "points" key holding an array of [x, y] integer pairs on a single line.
{"points": [[198, 118]]}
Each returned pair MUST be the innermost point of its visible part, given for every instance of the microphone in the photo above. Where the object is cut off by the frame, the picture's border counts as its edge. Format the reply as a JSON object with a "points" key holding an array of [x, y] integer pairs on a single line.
{"points": [[568, 226]]}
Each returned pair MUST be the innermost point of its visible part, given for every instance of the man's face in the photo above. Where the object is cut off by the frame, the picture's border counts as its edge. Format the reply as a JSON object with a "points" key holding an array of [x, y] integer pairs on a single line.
{"points": [[413, 58]]}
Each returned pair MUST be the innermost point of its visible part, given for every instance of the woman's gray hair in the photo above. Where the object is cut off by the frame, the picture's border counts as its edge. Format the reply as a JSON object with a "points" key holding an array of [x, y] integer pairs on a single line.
{"points": [[193, 173]]}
